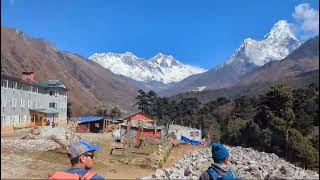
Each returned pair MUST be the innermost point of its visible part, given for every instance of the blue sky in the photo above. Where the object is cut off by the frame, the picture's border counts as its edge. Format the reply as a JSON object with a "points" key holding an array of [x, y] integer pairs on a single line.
{"points": [[201, 33]]}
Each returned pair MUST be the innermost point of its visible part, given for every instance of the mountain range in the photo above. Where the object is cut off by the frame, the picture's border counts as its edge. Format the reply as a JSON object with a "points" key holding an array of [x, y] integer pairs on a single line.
{"points": [[113, 79], [162, 68]]}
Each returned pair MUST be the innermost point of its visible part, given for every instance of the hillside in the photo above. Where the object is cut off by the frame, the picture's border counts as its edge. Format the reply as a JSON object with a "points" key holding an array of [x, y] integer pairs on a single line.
{"points": [[89, 84]]}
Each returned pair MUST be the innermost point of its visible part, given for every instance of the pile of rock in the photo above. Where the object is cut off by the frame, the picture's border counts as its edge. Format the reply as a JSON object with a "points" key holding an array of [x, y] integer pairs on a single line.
{"points": [[156, 159], [246, 163], [32, 145], [41, 139], [249, 163]]}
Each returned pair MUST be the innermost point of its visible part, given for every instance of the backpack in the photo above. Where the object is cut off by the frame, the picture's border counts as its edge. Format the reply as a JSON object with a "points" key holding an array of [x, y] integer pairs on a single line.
{"points": [[64, 175], [217, 173]]}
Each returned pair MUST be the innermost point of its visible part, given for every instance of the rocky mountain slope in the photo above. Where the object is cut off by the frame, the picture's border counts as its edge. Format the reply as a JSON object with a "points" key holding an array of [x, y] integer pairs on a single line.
{"points": [[246, 163], [160, 68], [89, 84], [276, 45]]}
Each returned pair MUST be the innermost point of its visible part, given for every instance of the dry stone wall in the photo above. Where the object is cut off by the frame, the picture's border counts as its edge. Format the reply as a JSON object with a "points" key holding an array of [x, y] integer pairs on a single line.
{"points": [[156, 159]]}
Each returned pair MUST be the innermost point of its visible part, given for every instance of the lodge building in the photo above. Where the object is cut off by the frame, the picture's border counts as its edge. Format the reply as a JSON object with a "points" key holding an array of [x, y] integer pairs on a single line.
{"points": [[27, 103]]}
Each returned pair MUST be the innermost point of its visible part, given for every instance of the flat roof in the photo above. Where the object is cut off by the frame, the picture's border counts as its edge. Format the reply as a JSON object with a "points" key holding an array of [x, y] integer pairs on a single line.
{"points": [[90, 119], [46, 111], [45, 84]]}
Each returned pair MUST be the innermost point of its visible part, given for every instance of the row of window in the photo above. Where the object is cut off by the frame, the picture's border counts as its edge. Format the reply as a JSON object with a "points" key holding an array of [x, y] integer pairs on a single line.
{"points": [[13, 120], [20, 86], [30, 103], [4, 103]]}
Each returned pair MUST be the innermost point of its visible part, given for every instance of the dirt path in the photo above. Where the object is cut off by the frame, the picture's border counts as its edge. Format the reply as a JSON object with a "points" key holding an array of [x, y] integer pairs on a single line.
{"points": [[19, 164]]}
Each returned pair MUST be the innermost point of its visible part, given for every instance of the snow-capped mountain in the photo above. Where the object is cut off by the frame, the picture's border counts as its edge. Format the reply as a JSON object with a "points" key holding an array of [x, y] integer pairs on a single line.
{"points": [[276, 45], [163, 68]]}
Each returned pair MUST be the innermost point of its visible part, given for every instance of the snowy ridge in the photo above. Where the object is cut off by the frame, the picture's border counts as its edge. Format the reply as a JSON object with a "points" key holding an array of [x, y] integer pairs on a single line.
{"points": [[276, 45], [163, 68]]}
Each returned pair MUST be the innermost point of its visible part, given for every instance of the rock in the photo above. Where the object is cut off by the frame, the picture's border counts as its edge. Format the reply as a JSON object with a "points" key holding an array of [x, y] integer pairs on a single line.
{"points": [[283, 170], [247, 163], [187, 172]]}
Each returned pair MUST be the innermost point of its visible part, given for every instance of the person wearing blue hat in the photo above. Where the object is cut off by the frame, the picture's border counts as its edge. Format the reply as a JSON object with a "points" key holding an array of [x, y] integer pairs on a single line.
{"points": [[81, 156], [220, 169]]}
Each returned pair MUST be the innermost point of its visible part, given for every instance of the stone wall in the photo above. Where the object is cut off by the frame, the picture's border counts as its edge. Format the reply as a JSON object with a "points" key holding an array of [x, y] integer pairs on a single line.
{"points": [[157, 159]]}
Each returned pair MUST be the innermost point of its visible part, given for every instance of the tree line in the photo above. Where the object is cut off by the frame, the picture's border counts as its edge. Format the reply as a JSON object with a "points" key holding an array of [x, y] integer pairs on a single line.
{"points": [[281, 121]]}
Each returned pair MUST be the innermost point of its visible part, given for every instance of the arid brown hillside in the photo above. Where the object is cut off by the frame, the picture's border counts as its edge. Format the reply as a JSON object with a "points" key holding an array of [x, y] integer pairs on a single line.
{"points": [[89, 84]]}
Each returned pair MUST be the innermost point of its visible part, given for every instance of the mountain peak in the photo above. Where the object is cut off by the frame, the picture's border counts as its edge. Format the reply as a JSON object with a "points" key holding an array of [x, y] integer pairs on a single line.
{"points": [[161, 55], [281, 30], [276, 45], [164, 60], [161, 67], [128, 53]]}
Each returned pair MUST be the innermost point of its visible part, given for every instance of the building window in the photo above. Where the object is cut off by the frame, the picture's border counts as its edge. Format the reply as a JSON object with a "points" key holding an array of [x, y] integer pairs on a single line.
{"points": [[19, 86], [53, 105], [4, 120], [4, 84], [29, 103], [53, 92], [14, 102], [14, 85], [26, 87], [3, 102], [23, 102], [34, 89], [22, 119], [10, 84], [41, 90], [14, 120]]}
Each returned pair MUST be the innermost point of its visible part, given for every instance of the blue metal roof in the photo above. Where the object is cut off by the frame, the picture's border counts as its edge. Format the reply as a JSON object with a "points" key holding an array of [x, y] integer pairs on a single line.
{"points": [[90, 119]]}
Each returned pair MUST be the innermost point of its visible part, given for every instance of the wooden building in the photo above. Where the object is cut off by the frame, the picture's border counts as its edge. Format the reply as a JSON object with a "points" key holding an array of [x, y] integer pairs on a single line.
{"points": [[139, 126], [94, 124]]}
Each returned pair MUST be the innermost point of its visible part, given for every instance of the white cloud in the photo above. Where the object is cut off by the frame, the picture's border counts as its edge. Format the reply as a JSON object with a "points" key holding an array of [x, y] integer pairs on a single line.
{"points": [[307, 19]]}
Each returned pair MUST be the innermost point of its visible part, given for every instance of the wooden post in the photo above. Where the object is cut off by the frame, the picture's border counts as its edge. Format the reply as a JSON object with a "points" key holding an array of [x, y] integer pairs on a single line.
{"points": [[126, 140]]}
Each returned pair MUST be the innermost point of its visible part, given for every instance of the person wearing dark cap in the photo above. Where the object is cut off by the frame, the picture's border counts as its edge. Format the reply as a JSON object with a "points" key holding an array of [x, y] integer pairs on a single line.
{"points": [[81, 156], [220, 169]]}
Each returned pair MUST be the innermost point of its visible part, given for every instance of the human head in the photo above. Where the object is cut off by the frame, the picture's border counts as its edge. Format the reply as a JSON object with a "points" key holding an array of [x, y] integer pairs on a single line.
{"points": [[219, 153], [81, 154]]}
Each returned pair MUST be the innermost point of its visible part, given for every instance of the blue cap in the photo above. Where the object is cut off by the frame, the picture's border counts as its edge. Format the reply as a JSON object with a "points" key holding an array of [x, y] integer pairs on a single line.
{"points": [[78, 148], [89, 146], [219, 153]]}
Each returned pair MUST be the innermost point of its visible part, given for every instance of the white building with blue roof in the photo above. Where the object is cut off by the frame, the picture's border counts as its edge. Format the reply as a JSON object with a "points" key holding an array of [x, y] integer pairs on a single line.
{"points": [[26, 103]]}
